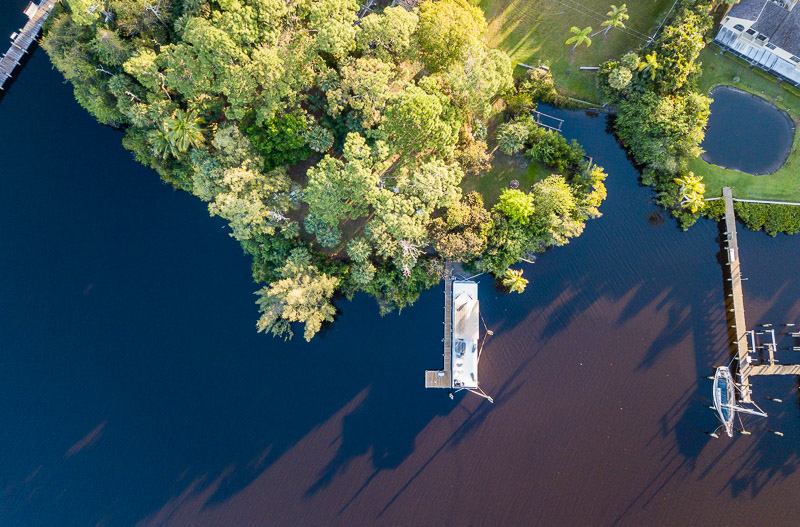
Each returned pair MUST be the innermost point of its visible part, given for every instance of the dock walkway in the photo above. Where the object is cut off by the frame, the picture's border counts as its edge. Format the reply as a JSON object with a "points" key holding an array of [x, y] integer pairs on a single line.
{"points": [[745, 340], [775, 369], [443, 378], [20, 42], [734, 264]]}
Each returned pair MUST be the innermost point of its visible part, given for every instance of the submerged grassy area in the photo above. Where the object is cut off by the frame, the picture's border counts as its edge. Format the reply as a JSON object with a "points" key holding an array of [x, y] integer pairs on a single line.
{"points": [[783, 185], [535, 30]]}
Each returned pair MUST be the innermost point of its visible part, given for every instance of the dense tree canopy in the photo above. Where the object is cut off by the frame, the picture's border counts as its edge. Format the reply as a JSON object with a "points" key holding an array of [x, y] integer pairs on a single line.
{"points": [[661, 118], [334, 140]]}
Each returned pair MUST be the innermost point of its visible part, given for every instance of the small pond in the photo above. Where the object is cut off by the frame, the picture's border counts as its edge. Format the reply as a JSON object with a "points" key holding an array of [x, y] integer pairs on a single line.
{"points": [[746, 133]]}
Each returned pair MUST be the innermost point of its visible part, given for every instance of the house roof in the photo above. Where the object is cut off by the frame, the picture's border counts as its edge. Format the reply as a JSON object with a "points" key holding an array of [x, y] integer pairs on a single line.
{"points": [[780, 25], [787, 35], [771, 19], [747, 9]]}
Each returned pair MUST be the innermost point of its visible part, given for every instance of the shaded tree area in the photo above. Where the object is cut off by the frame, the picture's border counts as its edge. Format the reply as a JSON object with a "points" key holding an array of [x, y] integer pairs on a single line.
{"points": [[387, 113], [661, 117]]}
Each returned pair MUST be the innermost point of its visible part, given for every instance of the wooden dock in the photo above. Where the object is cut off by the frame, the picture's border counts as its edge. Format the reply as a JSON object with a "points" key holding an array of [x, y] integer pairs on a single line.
{"points": [[775, 369], [745, 342], [22, 41], [443, 378], [539, 116], [740, 325]]}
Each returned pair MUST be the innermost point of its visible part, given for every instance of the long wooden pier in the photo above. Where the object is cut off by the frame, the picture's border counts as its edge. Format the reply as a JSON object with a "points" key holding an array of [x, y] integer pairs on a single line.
{"points": [[20, 42], [740, 326], [746, 340], [443, 378]]}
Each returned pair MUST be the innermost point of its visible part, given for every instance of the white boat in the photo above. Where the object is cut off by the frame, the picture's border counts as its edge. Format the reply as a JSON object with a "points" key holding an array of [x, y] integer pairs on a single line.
{"points": [[725, 399], [462, 347], [466, 332]]}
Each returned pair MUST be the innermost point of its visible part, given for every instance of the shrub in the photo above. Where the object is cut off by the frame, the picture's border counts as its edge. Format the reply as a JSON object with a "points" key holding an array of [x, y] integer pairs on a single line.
{"points": [[542, 88], [507, 244], [511, 136], [772, 218], [474, 158], [620, 78], [516, 205], [553, 150], [630, 60], [519, 99], [319, 138], [281, 141]]}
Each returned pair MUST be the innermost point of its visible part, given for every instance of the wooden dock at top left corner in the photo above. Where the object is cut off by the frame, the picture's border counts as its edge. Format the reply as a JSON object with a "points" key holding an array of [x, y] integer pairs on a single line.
{"points": [[22, 41]]}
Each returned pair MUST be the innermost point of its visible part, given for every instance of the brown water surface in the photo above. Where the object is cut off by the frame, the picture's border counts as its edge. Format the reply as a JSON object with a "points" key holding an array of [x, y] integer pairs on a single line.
{"points": [[135, 391]]}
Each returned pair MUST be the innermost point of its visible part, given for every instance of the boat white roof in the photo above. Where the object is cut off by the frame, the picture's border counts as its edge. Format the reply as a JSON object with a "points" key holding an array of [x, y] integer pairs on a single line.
{"points": [[466, 331]]}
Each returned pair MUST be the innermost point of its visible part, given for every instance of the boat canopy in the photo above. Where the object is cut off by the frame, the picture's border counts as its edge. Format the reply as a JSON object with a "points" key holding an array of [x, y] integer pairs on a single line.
{"points": [[466, 331]]}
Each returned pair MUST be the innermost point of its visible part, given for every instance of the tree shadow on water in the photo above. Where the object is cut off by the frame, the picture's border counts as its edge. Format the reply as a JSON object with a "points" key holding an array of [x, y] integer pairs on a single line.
{"points": [[385, 424], [471, 422], [372, 356], [711, 339], [388, 426]]}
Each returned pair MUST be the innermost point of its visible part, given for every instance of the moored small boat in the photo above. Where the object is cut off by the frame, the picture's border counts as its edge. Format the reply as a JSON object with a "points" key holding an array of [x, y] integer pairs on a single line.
{"points": [[725, 397], [725, 401]]}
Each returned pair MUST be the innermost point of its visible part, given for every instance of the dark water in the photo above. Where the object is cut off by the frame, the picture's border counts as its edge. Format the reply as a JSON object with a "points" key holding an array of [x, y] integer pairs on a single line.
{"points": [[746, 133], [135, 391]]}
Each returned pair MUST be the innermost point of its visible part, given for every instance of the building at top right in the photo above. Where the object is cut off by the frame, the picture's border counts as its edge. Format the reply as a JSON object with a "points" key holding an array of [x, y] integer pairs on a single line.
{"points": [[766, 34]]}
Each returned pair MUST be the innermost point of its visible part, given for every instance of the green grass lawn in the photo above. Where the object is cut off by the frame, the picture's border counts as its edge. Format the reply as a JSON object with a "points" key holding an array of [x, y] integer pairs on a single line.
{"points": [[783, 185], [504, 169], [535, 30]]}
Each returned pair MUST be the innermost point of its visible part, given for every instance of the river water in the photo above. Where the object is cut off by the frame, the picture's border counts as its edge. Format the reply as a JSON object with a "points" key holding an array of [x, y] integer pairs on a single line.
{"points": [[134, 389]]}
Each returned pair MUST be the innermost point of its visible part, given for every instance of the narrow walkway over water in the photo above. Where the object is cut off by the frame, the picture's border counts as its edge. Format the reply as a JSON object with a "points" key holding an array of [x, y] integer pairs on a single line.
{"points": [[20, 42], [745, 340], [443, 378], [740, 326]]}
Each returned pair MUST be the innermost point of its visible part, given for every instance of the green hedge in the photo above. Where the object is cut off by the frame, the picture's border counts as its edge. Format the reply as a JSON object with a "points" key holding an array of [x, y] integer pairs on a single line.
{"points": [[772, 218]]}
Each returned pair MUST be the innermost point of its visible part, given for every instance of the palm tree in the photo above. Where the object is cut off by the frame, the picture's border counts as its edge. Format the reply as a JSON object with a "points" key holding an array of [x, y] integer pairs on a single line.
{"points": [[693, 201], [691, 183], [617, 17], [513, 280], [162, 146], [184, 129], [650, 63], [692, 191], [581, 36]]}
